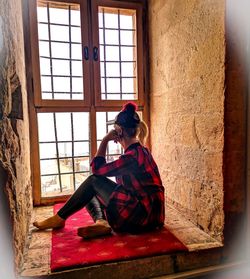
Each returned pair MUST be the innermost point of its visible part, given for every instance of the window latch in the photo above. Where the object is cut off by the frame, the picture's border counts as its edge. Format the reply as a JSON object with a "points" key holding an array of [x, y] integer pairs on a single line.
{"points": [[86, 53], [95, 53]]}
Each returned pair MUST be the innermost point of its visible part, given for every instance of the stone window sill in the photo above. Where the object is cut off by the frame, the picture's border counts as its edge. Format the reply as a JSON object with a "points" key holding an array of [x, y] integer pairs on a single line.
{"points": [[37, 257]]}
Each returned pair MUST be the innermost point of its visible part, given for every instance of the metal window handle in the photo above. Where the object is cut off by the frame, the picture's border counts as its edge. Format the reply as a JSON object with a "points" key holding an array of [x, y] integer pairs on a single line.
{"points": [[86, 53], [95, 53]]}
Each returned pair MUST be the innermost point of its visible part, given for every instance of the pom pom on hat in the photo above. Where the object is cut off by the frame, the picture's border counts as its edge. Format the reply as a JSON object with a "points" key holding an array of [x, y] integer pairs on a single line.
{"points": [[130, 107]]}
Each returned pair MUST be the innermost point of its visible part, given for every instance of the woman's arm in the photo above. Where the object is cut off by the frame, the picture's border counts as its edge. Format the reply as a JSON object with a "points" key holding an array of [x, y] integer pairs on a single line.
{"points": [[111, 135]]}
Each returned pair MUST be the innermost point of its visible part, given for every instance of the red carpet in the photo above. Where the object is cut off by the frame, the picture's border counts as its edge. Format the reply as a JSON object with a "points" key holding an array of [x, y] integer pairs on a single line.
{"points": [[69, 250]]}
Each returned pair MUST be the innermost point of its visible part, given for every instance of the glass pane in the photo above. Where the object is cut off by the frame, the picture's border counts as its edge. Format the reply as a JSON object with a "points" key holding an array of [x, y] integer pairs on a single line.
{"points": [[63, 125], [112, 37], [44, 49], [112, 69], [76, 34], [46, 129], [129, 69], [62, 47], [128, 85], [77, 85], [112, 53], [65, 149], [81, 125], [43, 31], [119, 50], [60, 67], [75, 18], [45, 66], [42, 14], [81, 149], [46, 84], [127, 38], [66, 165], [81, 164], [48, 167], [61, 134], [59, 33], [59, 16], [76, 68], [61, 84], [47, 150], [67, 181], [127, 54], [60, 50], [110, 19], [113, 85], [50, 185], [128, 21], [76, 51]]}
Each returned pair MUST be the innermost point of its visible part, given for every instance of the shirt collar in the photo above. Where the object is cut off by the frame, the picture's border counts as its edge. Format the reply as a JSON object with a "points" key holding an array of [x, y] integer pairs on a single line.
{"points": [[131, 146]]}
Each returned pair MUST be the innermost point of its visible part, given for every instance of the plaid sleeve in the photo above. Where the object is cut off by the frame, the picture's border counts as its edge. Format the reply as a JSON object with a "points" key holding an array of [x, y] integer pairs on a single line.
{"points": [[124, 165]]}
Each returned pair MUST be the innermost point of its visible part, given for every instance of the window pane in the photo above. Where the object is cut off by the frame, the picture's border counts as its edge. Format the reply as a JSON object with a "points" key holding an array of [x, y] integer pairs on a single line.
{"points": [[127, 38], [76, 68], [61, 67], [47, 150], [112, 53], [112, 69], [62, 47], [119, 46], [81, 125], [43, 32], [75, 18], [81, 164], [113, 85], [128, 21], [42, 14], [64, 150], [59, 16], [60, 50], [46, 84], [48, 167], [77, 85], [76, 34], [45, 66], [66, 165], [81, 149], [112, 37], [127, 54], [63, 125]]}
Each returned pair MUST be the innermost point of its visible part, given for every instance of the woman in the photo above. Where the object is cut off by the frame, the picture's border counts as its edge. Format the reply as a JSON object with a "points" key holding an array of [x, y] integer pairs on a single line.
{"points": [[136, 203]]}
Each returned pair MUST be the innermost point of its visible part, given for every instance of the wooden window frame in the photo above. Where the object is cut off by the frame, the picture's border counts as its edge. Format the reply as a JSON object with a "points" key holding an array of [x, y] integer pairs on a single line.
{"points": [[92, 103]]}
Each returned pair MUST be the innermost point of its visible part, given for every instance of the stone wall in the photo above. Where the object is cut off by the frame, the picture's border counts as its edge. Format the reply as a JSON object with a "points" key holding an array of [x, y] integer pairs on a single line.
{"points": [[187, 56], [14, 128]]}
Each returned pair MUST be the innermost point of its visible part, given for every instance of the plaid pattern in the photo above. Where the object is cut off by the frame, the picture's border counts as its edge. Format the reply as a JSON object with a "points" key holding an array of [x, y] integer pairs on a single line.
{"points": [[138, 200]]}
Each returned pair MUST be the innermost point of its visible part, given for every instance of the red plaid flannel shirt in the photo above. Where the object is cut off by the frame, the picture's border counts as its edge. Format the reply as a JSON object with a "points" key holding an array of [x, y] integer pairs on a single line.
{"points": [[138, 200]]}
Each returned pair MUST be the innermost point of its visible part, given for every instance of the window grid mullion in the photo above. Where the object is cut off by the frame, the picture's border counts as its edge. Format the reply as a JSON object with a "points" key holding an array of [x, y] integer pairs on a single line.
{"points": [[70, 54], [50, 52], [73, 150], [104, 54], [120, 58], [57, 152]]}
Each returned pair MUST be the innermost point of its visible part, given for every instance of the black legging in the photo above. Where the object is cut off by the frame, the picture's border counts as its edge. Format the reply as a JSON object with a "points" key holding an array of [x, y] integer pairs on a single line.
{"points": [[94, 193]]}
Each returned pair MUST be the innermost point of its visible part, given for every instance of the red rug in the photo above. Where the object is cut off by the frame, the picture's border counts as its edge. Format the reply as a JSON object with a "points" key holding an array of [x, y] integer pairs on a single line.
{"points": [[70, 251]]}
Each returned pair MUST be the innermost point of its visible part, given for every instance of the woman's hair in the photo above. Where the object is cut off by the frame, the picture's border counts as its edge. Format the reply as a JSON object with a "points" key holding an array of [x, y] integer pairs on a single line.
{"points": [[130, 121], [141, 131]]}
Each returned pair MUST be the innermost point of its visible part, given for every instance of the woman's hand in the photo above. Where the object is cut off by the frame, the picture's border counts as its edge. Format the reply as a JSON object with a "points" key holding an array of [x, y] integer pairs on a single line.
{"points": [[112, 135]]}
